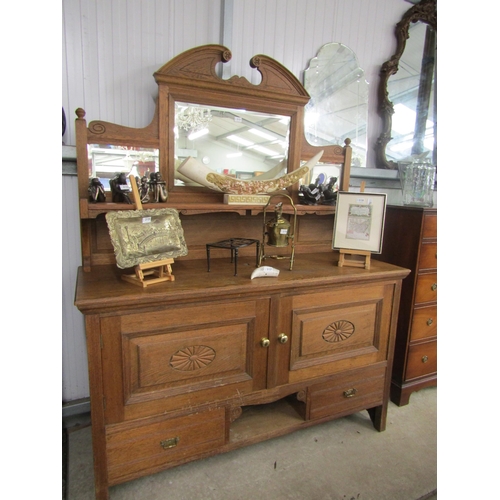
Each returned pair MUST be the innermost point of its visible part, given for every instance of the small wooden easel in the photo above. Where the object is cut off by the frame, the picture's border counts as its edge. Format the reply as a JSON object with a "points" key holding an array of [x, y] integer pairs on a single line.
{"points": [[160, 269], [355, 258]]}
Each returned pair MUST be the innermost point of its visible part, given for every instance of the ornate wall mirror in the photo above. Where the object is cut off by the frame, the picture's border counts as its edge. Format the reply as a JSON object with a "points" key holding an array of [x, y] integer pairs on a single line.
{"points": [[338, 108], [407, 90]]}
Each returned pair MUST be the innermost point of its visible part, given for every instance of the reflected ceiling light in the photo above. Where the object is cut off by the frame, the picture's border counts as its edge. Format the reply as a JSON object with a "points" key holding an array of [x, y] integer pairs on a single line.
{"points": [[239, 140], [264, 135], [266, 151], [234, 155], [198, 133]]}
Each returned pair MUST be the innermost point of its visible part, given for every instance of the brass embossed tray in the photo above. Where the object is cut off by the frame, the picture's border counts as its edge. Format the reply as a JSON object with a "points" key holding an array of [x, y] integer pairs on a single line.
{"points": [[143, 236]]}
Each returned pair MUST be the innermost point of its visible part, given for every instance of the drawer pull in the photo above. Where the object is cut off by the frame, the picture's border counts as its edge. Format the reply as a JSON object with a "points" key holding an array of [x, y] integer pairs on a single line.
{"points": [[434, 287], [169, 443], [430, 321], [264, 342], [282, 338], [350, 393], [425, 359]]}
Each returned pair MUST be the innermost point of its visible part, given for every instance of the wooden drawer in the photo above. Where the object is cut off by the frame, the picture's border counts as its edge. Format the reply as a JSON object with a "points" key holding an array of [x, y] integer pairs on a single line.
{"points": [[422, 360], [428, 256], [350, 392], [135, 449], [430, 226], [424, 323], [426, 288]]}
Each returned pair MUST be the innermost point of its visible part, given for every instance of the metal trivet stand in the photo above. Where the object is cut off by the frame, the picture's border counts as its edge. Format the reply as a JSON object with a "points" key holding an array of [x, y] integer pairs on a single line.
{"points": [[234, 244]]}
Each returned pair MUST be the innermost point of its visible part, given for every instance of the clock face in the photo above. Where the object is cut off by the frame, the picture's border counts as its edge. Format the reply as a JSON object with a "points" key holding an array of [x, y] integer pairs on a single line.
{"points": [[206, 160]]}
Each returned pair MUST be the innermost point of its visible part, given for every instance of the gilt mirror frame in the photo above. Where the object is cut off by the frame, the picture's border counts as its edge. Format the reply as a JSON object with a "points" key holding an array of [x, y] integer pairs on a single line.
{"points": [[426, 12]]}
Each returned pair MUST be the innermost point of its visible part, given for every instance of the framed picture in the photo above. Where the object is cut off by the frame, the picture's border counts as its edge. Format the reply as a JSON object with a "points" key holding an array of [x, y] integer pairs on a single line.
{"points": [[359, 221], [142, 236]]}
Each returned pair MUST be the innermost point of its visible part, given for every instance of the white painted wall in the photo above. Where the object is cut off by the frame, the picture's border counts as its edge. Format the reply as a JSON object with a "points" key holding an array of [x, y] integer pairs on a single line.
{"points": [[111, 48]]}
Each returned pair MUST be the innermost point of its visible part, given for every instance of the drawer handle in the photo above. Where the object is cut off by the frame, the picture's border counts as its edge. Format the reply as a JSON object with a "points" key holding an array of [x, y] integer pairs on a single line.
{"points": [[425, 359], [350, 393], [264, 342], [430, 321], [434, 287], [169, 443], [282, 338]]}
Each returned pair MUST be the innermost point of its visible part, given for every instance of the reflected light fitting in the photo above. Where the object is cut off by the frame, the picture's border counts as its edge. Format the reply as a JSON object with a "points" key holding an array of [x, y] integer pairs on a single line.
{"points": [[234, 155]]}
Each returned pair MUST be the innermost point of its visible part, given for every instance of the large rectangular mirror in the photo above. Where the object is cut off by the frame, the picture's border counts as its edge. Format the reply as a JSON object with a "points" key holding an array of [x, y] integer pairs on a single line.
{"points": [[235, 142]]}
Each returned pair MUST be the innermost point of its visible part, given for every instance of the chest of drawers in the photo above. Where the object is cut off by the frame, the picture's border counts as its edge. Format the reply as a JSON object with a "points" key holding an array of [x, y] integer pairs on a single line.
{"points": [[211, 361], [410, 240]]}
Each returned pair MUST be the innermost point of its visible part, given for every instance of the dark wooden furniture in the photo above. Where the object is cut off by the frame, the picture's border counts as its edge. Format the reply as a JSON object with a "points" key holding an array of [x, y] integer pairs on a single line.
{"points": [[211, 362], [410, 240]]}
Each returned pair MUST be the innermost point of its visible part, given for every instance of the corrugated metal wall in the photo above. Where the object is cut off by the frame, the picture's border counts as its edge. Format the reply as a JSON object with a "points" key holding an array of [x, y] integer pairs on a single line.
{"points": [[111, 48]]}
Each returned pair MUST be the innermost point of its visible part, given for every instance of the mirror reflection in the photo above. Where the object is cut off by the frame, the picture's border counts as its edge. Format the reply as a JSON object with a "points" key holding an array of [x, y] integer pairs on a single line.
{"points": [[338, 108], [412, 92], [106, 160], [235, 142]]}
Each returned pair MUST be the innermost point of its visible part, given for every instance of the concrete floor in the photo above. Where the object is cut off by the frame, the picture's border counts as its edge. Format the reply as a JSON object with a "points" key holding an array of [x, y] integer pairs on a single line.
{"points": [[345, 459]]}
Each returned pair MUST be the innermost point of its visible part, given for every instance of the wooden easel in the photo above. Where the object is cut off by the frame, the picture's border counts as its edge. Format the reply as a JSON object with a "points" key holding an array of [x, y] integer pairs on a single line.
{"points": [[355, 258], [161, 270]]}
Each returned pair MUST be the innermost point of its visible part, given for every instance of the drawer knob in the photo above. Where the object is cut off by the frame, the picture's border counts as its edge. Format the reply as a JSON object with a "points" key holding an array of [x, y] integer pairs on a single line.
{"points": [[430, 321], [350, 393], [264, 342], [425, 359], [283, 338], [434, 287], [169, 443]]}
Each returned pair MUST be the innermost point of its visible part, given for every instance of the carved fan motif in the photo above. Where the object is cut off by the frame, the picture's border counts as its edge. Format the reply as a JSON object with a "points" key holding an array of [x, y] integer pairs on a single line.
{"points": [[192, 358], [338, 331]]}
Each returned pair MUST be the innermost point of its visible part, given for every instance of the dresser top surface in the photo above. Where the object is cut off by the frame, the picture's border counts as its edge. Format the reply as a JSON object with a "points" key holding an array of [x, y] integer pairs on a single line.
{"points": [[104, 289]]}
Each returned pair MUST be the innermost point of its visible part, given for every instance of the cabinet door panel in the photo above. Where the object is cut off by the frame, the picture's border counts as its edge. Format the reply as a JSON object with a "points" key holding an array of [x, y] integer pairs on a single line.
{"points": [[339, 329], [183, 355], [182, 360]]}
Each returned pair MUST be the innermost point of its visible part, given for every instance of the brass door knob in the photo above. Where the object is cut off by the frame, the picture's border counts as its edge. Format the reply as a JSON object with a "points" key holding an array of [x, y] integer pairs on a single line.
{"points": [[430, 321], [425, 359], [264, 342], [282, 338], [434, 287]]}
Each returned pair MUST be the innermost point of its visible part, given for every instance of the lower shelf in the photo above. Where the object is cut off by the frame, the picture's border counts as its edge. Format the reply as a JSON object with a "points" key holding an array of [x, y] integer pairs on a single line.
{"points": [[260, 422]]}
